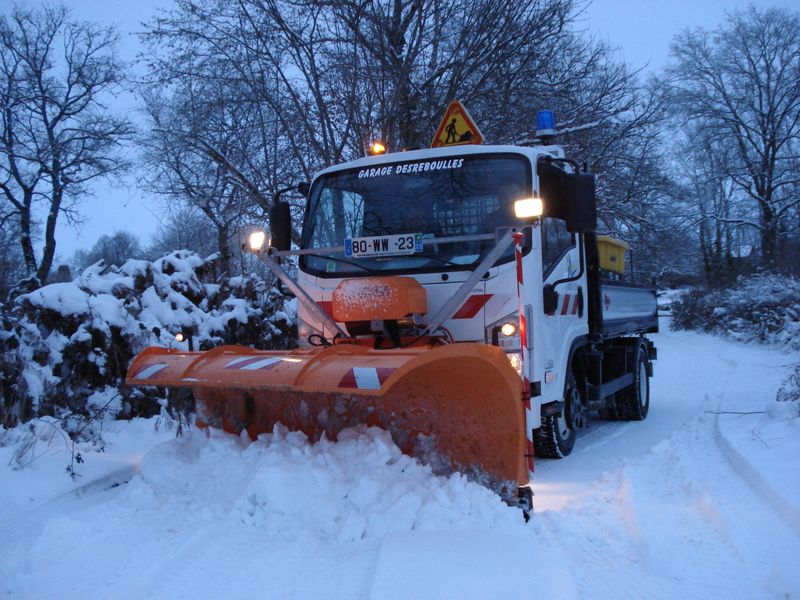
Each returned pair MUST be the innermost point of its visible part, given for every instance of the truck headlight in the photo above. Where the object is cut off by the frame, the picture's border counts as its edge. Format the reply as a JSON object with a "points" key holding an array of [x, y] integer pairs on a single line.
{"points": [[528, 208], [508, 329], [257, 240], [505, 333]]}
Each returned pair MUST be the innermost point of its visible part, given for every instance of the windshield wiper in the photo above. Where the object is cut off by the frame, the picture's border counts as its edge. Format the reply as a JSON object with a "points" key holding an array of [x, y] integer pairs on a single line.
{"points": [[443, 261], [345, 261], [371, 271]]}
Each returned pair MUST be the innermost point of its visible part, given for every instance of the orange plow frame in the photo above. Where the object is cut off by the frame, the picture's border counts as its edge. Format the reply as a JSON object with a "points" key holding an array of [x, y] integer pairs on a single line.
{"points": [[458, 406]]}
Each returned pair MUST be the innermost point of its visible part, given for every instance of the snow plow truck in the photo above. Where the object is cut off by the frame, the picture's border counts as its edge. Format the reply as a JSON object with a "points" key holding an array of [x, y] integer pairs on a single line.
{"points": [[457, 296]]}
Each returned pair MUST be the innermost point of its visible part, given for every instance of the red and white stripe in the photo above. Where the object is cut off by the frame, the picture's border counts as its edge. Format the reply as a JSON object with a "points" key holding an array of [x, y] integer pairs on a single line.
{"points": [[365, 378], [523, 337], [252, 363], [569, 299], [568, 304], [150, 371], [472, 306]]}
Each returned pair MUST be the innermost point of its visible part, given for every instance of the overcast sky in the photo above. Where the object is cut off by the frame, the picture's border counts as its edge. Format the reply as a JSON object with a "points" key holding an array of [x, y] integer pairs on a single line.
{"points": [[642, 29]]}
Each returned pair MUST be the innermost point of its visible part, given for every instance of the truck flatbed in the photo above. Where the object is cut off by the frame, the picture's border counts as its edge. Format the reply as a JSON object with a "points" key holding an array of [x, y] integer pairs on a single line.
{"points": [[627, 309]]}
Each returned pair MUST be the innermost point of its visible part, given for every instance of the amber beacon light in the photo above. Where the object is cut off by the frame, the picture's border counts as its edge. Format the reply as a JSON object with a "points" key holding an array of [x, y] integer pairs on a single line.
{"points": [[377, 148]]}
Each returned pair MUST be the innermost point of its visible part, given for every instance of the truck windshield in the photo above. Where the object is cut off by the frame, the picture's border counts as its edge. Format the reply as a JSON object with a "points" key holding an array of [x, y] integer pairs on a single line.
{"points": [[452, 196]]}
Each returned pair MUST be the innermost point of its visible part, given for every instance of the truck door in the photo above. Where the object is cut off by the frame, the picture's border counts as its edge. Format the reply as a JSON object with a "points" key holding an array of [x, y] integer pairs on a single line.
{"points": [[565, 315]]}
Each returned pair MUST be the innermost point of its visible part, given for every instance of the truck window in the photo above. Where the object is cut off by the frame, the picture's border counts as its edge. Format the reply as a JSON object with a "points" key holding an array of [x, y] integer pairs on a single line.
{"points": [[556, 241], [342, 216], [452, 196]]}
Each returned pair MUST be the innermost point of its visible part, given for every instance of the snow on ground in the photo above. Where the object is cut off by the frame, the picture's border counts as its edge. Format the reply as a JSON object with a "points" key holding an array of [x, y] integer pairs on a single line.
{"points": [[689, 504]]}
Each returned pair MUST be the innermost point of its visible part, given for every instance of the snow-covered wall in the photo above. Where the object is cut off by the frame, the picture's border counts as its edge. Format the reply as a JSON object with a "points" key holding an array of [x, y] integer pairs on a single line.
{"points": [[67, 346]]}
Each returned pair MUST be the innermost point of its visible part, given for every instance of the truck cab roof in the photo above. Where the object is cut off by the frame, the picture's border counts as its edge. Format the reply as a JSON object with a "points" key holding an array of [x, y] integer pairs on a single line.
{"points": [[532, 152]]}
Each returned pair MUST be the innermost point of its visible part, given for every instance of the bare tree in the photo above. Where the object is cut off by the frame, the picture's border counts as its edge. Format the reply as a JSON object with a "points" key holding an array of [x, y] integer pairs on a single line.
{"points": [[314, 81], [113, 249], [183, 228], [191, 153], [57, 134], [741, 83], [216, 140], [388, 68], [617, 122], [716, 205], [12, 266], [333, 76]]}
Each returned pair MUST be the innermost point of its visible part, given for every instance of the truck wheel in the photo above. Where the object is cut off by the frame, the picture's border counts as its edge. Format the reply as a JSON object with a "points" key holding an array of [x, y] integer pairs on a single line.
{"points": [[556, 437], [636, 399], [609, 414]]}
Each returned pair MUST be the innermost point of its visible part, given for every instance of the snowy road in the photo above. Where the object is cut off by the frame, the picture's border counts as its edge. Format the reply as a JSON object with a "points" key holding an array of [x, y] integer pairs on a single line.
{"points": [[659, 509], [694, 373]]}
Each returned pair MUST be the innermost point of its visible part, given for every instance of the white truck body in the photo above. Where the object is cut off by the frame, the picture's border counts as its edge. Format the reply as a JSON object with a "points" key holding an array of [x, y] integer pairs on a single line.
{"points": [[552, 338]]}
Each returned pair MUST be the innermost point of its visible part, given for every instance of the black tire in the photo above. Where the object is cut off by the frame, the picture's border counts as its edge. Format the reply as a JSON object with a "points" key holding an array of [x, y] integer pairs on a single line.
{"points": [[634, 402], [609, 414], [556, 437]]}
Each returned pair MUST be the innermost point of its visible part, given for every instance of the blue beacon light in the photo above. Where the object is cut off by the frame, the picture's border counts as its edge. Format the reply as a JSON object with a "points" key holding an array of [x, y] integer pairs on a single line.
{"points": [[545, 120], [545, 125]]}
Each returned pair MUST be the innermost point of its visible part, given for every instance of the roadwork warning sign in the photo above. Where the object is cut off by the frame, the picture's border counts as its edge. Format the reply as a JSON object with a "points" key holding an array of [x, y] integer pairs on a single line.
{"points": [[457, 128]]}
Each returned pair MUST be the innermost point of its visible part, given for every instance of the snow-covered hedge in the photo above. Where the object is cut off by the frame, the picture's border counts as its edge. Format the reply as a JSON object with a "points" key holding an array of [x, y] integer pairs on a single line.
{"points": [[66, 347], [763, 308]]}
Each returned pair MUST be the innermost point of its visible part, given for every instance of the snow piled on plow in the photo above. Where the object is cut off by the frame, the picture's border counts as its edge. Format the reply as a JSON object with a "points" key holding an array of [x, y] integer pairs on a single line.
{"points": [[361, 487]]}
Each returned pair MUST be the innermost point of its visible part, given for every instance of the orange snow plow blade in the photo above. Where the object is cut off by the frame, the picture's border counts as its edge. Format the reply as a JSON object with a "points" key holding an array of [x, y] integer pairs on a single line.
{"points": [[457, 407]]}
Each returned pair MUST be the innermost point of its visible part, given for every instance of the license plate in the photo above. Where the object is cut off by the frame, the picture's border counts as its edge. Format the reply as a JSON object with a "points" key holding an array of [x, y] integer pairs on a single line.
{"points": [[383, 245]]}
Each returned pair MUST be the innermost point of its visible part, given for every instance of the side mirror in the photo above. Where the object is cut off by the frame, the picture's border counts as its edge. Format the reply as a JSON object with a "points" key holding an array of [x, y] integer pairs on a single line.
{"points": [[303, 187], [581, 209], [568, 196], [552, 189], [280, 226]]}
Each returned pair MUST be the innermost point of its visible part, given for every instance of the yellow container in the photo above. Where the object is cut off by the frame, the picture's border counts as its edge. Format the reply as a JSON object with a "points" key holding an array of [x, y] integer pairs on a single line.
{"points": [[612, 254]]}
